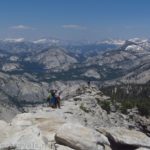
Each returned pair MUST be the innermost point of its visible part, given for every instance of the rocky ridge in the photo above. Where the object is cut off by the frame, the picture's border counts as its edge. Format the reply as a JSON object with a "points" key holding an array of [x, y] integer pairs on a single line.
{"points": [[80, 124]]}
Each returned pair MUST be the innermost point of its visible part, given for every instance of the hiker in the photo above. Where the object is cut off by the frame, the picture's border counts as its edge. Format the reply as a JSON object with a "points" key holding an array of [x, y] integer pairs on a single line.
{"points": [[53, 100], [89, 83]]}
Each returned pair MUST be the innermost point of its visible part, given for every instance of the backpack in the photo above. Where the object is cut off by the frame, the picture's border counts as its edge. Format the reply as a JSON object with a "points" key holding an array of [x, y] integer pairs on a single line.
{"points": [[53, 101]]}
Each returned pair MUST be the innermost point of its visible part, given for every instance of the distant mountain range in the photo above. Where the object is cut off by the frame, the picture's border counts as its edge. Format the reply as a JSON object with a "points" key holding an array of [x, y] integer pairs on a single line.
{"points": [[113, 60], [28, 69], [17, 45]]}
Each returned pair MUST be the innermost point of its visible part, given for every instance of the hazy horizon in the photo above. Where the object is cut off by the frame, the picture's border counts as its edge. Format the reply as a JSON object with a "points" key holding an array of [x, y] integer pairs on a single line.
{"points": [[75, 20]]}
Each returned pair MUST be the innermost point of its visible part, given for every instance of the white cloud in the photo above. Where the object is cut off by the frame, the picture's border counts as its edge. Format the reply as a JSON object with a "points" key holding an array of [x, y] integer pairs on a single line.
{"points": [[74, 26], [21, 27]]}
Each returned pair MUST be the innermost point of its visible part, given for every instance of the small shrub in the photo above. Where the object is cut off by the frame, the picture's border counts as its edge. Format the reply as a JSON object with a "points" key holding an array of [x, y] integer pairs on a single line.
{"points": [[129, 96], [105, 105], [77, 99], [125, 105], [82, 107]]}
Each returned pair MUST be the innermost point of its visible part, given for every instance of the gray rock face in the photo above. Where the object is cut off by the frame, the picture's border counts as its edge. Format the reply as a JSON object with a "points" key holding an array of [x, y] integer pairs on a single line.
{"points": [[92, 73], [15, 91], [10, 67], [8, 112], [84, 106], [80, 138], [29, 138], [55, 59], [8, 108], [14, 58], [128, 137], [76, 126], [133, 59], [137, 78], [37, 131], [23, 89], [49, 128]]}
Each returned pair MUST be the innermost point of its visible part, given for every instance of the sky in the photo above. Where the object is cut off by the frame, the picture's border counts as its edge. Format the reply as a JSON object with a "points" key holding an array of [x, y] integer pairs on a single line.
{"points": [[75, 19]]}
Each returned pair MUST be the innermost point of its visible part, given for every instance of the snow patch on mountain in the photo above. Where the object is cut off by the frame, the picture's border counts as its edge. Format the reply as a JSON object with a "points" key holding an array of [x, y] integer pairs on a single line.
{"points": [[114, 42], [138, 40], [134, 48], [46, 41], [14, 40]]}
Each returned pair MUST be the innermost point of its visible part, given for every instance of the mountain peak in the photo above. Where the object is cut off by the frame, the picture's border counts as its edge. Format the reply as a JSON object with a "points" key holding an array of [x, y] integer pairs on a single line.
{"points": [[46, 40], [138, 40], [112, 41]]}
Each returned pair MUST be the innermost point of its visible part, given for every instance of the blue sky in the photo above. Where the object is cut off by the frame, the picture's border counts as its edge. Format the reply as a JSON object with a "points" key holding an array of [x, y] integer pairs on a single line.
{"points": [[75, 19]]}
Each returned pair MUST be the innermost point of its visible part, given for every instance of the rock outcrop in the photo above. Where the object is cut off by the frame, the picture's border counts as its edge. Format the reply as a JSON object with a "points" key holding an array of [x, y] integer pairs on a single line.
{"points": [[54, 59], [80, 124], [92, 73], [48, 129], [79, 137], [122, 136], [10, 67], [21, 88]]}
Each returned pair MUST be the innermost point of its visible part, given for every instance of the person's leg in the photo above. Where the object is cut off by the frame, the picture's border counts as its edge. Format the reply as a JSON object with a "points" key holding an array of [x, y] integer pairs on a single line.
{"points": [[58, 103], [49, 103]]}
